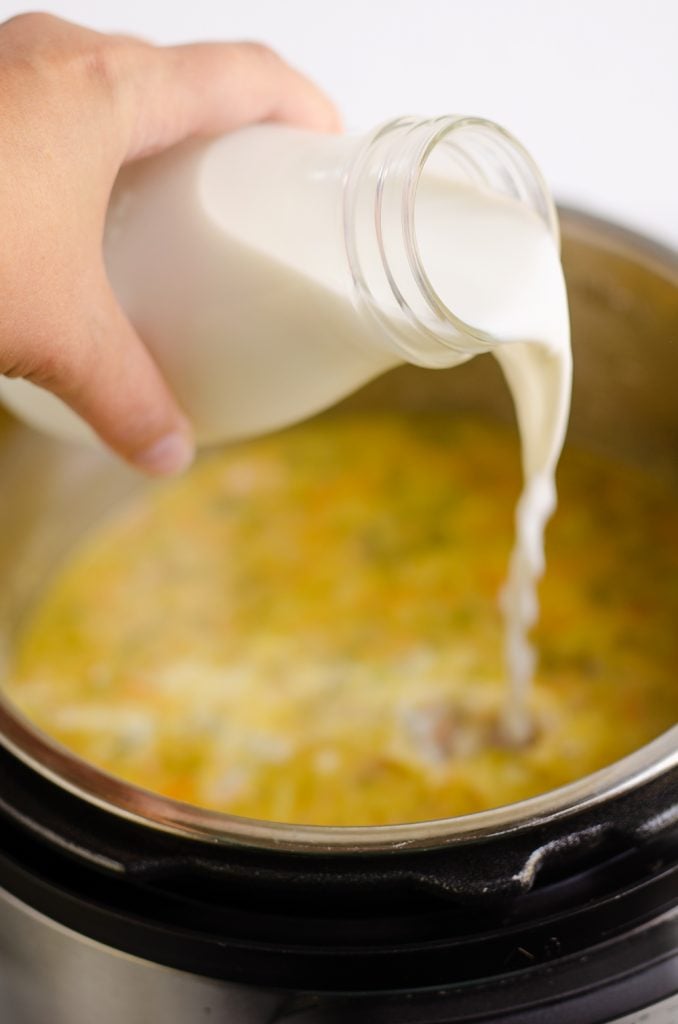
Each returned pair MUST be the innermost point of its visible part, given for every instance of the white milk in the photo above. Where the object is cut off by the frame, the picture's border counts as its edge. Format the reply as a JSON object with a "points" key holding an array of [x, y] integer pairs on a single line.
{"points": [[506, 277], [229, 258]]}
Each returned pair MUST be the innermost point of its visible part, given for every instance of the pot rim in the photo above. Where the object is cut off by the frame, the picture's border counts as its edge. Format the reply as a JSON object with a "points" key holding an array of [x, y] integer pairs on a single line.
{"points": [[57, 764]]}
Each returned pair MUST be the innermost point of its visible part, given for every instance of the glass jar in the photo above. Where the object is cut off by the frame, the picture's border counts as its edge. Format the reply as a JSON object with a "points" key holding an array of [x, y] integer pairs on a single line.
{"points": [[273, 271]]}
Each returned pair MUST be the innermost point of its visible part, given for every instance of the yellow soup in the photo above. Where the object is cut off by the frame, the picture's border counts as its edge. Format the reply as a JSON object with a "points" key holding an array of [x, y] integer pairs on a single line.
{"points": [[305, 628]]}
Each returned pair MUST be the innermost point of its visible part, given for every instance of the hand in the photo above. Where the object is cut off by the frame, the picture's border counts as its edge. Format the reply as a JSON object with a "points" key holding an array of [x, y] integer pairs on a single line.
{"points": [[74, 106]]}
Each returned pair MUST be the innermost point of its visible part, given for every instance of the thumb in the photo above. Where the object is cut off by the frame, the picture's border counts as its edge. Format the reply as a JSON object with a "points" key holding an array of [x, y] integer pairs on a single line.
{"points": [[105, 373]]}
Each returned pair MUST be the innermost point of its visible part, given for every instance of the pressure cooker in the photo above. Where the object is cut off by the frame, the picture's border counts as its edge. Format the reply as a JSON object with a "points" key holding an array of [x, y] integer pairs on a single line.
{"points": [[117, 904]]}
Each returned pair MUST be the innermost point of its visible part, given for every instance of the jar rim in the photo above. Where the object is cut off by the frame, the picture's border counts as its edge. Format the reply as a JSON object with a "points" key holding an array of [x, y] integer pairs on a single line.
{"points": [[447, 127], [429, 134]]}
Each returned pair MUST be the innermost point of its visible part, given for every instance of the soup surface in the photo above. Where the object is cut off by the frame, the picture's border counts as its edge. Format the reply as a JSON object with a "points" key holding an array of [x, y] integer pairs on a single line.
{"points": [[305, 628]]}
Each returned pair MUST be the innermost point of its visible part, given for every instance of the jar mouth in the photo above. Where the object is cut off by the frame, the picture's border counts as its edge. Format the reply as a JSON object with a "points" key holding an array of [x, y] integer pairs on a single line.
{"points": [[57, 764], [382, 189], [522, 180]]}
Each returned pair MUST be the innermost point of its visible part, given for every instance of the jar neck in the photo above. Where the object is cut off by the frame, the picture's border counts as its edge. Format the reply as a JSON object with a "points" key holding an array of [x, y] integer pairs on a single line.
{"points": [[382, 183]]}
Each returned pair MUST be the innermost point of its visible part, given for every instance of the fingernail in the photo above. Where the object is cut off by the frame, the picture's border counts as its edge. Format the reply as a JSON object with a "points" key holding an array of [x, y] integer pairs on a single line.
{"points": [[171, 455]]}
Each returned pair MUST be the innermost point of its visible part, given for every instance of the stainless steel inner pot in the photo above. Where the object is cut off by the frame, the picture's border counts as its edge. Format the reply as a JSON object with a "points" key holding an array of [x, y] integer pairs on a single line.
{"points": [[624, 303]]}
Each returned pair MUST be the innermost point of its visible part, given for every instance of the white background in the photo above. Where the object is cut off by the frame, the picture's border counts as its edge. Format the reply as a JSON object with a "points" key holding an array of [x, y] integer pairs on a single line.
{"points": [[590, 86]]}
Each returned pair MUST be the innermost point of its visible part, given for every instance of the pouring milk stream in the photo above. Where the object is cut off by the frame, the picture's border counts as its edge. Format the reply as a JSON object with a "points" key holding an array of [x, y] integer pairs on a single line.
{"points": [[271, 272]]}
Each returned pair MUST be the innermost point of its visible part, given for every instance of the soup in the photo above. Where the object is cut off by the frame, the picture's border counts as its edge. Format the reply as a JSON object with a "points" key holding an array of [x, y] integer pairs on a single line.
{"points": [[305, 628]]}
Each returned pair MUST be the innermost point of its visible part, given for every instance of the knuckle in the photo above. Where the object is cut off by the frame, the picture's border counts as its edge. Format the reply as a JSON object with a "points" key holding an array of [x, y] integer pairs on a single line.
{"points": [[101, 66], [109, 66], [31, 22], [68, 58], [259, 51], [110, 57]]}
